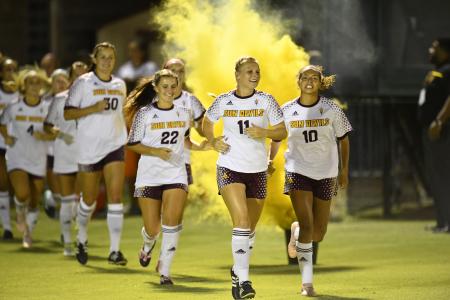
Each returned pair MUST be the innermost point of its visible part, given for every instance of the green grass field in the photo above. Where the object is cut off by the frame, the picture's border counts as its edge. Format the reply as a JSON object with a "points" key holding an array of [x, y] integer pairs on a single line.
{"points": [[359, 259]]}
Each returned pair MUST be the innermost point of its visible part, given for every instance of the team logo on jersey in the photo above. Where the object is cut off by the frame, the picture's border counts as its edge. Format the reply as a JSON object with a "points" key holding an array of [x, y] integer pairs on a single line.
{"points": [[295, 113], [230, 103], [178, 114], [290, 180], [321, 110], [184, 103], [155, 116], [256, 101], [225, 176]]}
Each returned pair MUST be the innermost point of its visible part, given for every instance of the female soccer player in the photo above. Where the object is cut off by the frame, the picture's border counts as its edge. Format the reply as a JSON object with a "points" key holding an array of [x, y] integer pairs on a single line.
{"points": [[95, 100], [159, 133], [8, 94], [242, 163], [314, 123], [21, 126], [65, 158]]}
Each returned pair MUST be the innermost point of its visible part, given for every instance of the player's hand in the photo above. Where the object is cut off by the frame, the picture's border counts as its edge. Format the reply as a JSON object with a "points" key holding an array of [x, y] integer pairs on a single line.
{"points": [[67, 138], [434, 131], [219, 145], [10, 85], [255, 132], [270, 168], [205, 146], [40, 136], [163, 153], [343, 179], [100, 105], [10, 140]]}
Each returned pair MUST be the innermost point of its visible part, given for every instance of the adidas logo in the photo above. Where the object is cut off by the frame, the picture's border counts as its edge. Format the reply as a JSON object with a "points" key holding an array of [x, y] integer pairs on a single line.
{"points": [[303, 259], [240, 251], [155, 116], [20, 109], [172, 249], [230, 103], [295, 113]]}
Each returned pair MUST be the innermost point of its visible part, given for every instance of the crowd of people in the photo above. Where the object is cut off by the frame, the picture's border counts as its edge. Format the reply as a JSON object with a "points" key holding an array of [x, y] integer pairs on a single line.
{"points": [[78, 130]]}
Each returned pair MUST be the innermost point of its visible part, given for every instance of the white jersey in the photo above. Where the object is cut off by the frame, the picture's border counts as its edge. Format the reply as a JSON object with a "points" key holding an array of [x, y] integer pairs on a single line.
{"points": [[246, 155], [5, 99], [49, 98], [98, 134], [160, 128], [27, 153], [129, 72], [65, 156], [190, 102], [312, 133]]}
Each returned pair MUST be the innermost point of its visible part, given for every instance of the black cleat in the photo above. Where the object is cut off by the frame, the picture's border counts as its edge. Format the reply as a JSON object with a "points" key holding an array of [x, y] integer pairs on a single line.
{"points": [[234, 285], [82, 253], [246, 291], [7, 235], [164, 280], [145, 257], [117, 258]]}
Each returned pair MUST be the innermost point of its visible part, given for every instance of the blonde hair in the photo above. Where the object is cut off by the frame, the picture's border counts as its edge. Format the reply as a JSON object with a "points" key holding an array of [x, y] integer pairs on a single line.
{"points": [[326, 82], [243, 60]]}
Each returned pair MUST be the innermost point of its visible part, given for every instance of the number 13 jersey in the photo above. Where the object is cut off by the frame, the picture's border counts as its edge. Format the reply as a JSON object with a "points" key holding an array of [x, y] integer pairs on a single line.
{"points": [[312, 133], [246, 155], [98, 134]]}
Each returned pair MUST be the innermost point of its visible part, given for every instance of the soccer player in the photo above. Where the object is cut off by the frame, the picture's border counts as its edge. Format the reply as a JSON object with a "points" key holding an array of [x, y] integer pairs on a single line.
{"points": [[159, 132], [8, 94], [242, 164], [95, 100], [65, 158], [21, 126], [316, 127]]}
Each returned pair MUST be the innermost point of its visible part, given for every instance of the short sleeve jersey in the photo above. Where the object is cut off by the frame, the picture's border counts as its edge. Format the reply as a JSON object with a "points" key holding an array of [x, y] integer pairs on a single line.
{"points": [[24, 120], [155, 127], [98, 134], [246, 155], [312, 137], [5, 99], [189, 101]]}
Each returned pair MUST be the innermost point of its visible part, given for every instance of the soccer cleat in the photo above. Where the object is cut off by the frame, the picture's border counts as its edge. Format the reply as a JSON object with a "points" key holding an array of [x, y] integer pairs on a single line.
{"points": [[68, 249], [164, 280], [7, 235], [50, 205], [145, 257], [308, 291], [292, 252], [117, 258], [234, 285], [26, 241], [82, 253], [246, 291]]}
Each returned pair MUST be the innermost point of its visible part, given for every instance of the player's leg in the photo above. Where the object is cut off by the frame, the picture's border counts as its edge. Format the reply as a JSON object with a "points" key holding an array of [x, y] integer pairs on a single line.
{"points": [[68, 199], [4, 199], [21, 184], [36, 190], [52, 196]]}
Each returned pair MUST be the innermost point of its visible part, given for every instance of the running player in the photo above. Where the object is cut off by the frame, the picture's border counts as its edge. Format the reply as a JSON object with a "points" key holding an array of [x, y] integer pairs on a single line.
{"points": [[22, 128], [314, 125], [65, 160], [8, 94], [242, 164], [159, 132], [95, 100]]}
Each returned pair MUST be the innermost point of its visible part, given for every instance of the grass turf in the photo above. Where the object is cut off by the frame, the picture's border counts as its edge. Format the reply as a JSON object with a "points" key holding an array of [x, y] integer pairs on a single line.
{"points": [[359, 259]]}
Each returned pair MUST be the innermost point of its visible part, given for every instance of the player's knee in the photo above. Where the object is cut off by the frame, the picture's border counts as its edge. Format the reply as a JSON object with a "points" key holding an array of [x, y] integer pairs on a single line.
{"points": [[22, 195], [319, 233]]}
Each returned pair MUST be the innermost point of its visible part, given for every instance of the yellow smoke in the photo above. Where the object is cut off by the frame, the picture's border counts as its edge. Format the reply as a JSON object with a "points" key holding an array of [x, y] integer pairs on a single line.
{"points": [[210, 36]]}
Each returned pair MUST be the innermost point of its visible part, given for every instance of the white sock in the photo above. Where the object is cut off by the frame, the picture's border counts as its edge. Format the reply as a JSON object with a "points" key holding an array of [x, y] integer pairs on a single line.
{"points": [[32, 217], [115, 224], [241, 253], [83, 216], [305, 261], [297, 233], [251, 241], [65, 216], [169, 244], [4, 211], [149, 241]]}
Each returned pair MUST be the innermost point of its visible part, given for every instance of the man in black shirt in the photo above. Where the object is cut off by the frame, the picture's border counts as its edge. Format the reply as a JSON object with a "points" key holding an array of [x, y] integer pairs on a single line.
{"points": [[434, 115]]}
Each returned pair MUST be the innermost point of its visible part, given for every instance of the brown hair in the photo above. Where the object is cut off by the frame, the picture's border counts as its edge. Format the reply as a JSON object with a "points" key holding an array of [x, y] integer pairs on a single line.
{"points": [[326, 82], [96, 49]]}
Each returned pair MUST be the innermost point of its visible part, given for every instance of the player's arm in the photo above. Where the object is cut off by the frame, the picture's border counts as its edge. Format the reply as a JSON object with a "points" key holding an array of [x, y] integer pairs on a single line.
{"points": [[216, 143], [163, 153], [344, 159], [73, 113], [434, 131], [274, 147], [9, 140], [277, 132]]}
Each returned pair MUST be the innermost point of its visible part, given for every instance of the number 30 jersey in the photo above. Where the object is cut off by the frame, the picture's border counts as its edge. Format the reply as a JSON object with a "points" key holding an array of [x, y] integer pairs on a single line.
{"points": [[160, 128], [312, 133], [98, 134], [22, 120], [246, 155]]}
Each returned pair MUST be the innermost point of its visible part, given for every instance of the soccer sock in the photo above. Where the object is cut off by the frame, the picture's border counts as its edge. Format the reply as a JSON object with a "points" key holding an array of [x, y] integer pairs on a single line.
{"points": [[149, 241], [169, 244], [297, 233], [4, 210], [241, 254], [65, 216], [251, 241], [84, 214], [32, 217], [305, 261], [115, 224]]}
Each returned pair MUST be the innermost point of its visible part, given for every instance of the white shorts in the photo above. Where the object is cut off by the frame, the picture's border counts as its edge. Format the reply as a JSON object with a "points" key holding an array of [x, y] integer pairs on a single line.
{"points": [[65, 158], [36, 168]]}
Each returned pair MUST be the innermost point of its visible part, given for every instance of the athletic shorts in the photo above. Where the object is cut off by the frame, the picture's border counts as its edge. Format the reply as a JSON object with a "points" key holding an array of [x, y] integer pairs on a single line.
{"points": [[116, 155], [255, 183], [323, 189], [156, 192], [190, 179]]}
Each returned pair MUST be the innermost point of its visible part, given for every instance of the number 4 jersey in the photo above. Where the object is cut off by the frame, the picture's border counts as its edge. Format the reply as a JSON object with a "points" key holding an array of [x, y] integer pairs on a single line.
{"points": [[246, 155], [98, 134], [160, 128], [312, 134]]}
